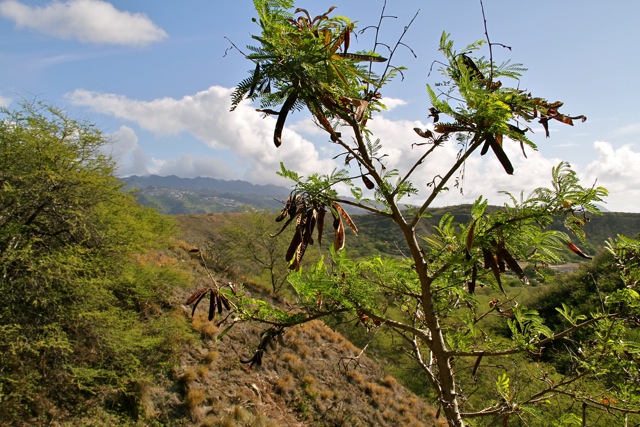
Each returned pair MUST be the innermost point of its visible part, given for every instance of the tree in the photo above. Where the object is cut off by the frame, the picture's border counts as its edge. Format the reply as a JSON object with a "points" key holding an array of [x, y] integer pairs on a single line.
{"points": [[427, 298], [80, 322], [255, 238]]}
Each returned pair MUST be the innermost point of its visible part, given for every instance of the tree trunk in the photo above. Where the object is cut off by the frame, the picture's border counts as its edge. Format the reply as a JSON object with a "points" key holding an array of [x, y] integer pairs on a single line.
{"points": [[445, 375]]}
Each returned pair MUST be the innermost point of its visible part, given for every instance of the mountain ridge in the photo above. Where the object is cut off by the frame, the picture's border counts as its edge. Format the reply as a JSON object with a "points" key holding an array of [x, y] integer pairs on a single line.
{"points": [[203, 183], [173, 195]]}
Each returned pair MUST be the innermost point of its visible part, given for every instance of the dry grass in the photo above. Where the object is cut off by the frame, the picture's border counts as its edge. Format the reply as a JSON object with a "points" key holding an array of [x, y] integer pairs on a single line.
{"points": [[201, 323], [202, 371], [300, 383], [295, 364], [211, 356], [285, 384], [193, 400], [390, 382], [188, 376]]}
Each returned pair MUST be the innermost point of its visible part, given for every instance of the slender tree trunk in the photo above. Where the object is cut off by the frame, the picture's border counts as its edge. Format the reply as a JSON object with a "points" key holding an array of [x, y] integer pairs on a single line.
{"points": [[445, 376]]}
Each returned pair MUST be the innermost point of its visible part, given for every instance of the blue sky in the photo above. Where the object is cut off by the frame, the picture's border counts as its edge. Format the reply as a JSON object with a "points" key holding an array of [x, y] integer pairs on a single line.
{"points": [[156, 77]]}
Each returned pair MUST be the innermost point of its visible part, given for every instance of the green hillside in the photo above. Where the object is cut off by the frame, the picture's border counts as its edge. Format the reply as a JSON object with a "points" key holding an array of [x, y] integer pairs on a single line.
{"points": [[185, 197], [380, 233], [579, 289]]}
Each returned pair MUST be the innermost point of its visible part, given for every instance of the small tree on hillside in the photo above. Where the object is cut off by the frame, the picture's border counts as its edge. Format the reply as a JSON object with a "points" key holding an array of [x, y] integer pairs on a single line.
{"points": [[428, 298], [253, 239]]}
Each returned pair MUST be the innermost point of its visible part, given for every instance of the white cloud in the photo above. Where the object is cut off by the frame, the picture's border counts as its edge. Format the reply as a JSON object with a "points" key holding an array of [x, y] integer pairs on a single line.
{"points": [[632, 129], [206, 116], [92, 21], [480, 175], [392, 103], [124, 149], [4, 101], [618, 170], [242, 144]]}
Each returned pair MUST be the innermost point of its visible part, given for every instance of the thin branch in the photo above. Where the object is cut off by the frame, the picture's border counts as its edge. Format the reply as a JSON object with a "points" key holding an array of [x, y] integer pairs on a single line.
{"points": [[413, 168], [425, 367], [539, 344], [424, 334], [318, 315], [438, 188], [486, 33], [233, 47], [393, 51]]}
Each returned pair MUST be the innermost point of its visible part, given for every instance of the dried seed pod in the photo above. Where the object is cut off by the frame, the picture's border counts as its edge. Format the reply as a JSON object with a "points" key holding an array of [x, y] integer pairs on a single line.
{"points": [[346, 217], [362, 58], [474, 71], [367, 182], [225, 301], [577, 251], [193, 311], [219, 304], [285, 211], [310, 224], [212, 306], [492, 264], [254, 80], [513, 264], [320, 221], [196, 295], [282, 117], [296, 240], [338, 240], [433, 112], [474, 277], [470, 235]]}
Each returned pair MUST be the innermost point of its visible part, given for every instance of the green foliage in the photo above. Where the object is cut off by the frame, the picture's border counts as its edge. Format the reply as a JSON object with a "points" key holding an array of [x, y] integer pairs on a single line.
{"points": [[253, 239], [446, 298], [298, 64], [80, 315], [296, 56], [626, 251]]}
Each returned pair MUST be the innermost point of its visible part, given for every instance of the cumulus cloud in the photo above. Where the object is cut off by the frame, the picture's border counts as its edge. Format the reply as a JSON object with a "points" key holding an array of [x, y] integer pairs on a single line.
{"points": [[618, 170], [480, 175], [392, 103], [92, 21], [242, 148], [243, 133], [124, 149], [632, 129]]}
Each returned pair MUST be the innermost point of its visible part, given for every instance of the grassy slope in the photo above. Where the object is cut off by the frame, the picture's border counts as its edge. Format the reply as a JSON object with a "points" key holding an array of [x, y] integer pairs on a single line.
{"points": [[314, 379], [304, 382]]}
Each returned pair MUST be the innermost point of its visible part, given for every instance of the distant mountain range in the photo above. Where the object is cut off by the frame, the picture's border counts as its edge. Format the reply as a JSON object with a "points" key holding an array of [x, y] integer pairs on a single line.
{"points": [[175, 195]]}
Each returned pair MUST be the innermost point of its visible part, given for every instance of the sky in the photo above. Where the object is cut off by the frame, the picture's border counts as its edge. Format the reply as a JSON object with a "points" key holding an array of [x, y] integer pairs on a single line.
{"points": [[156, 77]]}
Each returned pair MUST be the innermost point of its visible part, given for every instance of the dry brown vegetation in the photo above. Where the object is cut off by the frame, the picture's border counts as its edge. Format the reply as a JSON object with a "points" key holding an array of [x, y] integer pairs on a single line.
{"points": [[316, 378]]}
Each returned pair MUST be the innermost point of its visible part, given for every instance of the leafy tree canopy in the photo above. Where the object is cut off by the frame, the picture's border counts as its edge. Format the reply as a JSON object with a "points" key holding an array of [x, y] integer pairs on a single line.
{"points": [[429, 297], [78, 330]]}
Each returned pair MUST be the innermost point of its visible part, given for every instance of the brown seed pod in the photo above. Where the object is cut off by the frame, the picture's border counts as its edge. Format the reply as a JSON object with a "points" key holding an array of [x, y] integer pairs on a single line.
{"points": [[193, 311], [346, 217], [196, 295], [225, 301], [212, 306], [219, 303], [367, 182]]}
